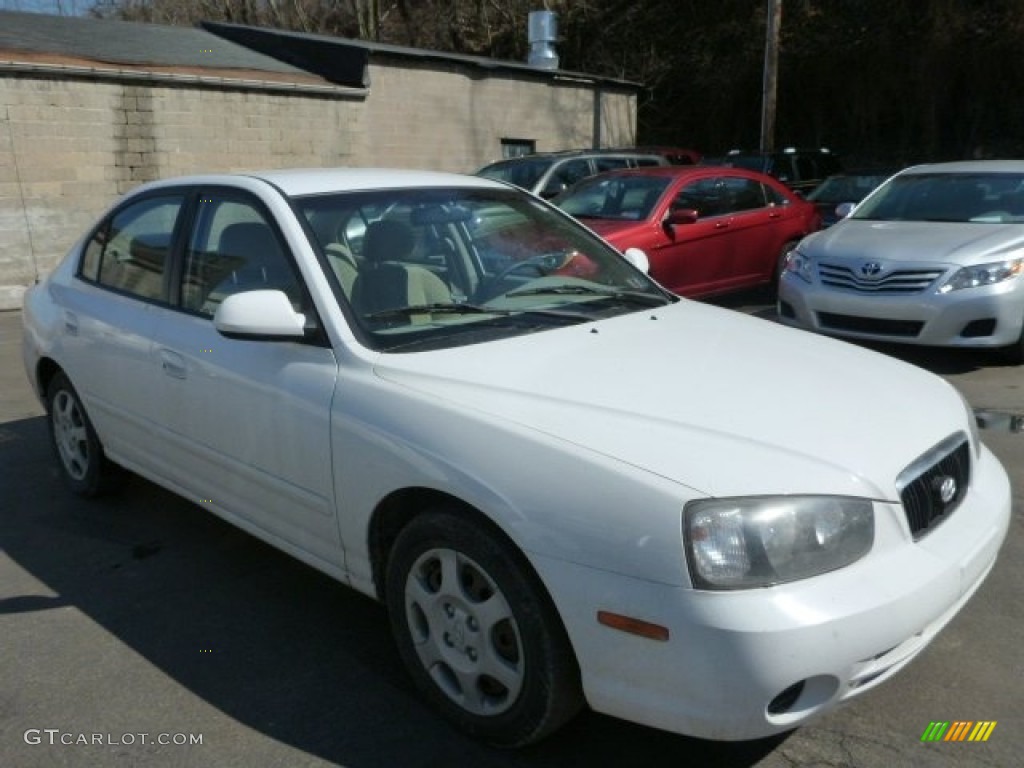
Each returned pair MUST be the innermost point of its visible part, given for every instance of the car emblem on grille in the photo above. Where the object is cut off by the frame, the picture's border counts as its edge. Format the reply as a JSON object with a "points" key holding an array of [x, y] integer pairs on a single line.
{"points": [[870, 268], [945, 488]]}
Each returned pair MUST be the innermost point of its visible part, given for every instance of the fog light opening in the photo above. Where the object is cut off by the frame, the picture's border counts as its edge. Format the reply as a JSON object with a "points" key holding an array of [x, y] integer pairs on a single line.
{"points": [[785, 700], [802, 700]]}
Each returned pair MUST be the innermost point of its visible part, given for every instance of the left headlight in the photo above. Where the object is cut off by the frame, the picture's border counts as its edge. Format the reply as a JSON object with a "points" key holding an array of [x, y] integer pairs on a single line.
{"points": [[758, 541], [983, 274]]}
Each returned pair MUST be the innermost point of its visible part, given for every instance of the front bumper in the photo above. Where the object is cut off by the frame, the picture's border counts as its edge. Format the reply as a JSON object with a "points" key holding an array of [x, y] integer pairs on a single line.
{"points": [[987, 316], [731, 662]]}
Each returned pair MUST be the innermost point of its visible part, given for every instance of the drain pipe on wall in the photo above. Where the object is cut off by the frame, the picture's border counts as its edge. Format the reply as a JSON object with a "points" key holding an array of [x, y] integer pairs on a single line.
{"points": [[21, 196]]}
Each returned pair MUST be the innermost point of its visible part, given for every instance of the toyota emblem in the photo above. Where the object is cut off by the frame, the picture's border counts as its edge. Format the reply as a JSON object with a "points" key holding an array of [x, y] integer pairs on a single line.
{"points": [[870, 268]]}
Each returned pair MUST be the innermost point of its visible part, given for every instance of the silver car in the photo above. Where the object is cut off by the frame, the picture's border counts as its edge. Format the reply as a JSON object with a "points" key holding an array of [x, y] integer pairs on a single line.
{"points": [[550, 173], [935, 256]]}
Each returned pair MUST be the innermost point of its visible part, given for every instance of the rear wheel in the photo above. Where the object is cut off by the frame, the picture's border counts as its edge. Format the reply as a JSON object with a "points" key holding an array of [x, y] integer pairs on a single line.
{"points": [[80, 456], [478, 636]]}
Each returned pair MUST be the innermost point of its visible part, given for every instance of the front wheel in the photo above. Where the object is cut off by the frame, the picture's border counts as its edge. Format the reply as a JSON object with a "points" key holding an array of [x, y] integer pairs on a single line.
{"points": [[478, 636], [1014, 354], [84, 467]]}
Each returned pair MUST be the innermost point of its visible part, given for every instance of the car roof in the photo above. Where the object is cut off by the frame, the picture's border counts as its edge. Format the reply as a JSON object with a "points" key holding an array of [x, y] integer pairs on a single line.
{"points": [[969, 166], [675, 171], [568, 154], [313, 181]]}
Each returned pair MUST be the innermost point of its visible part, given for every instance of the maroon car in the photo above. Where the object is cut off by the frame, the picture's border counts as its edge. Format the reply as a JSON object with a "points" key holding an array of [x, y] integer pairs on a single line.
{"points": [[705, 229]]}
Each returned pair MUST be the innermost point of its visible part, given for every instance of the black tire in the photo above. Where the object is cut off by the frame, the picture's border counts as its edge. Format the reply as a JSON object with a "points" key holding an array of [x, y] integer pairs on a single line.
{"points": [[83, 465], [1014, 354], [479, 637]]}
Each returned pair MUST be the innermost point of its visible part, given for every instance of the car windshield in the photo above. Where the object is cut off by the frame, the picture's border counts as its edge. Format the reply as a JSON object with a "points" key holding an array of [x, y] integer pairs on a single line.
{"points": [[523, 172], [846, 188], [982, 198], [627, 198], [431, 268]]}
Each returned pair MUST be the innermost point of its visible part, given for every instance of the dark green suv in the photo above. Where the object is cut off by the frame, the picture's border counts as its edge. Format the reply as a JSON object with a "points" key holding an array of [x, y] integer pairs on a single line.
{"points": [[799, 169]]}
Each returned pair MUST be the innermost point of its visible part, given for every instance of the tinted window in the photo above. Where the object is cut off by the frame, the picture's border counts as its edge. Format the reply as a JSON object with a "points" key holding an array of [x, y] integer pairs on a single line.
{"points": [[572, 171], [743, 194], [129, 252], [706, 196]]}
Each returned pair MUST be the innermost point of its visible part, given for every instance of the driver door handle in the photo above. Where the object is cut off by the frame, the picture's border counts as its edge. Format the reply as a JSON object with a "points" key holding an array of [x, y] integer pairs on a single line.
{"points": [[173, 364]]}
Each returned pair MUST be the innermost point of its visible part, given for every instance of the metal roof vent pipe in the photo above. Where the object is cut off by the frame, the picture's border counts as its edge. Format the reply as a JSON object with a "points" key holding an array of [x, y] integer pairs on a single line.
{"points": [[542, 35]]}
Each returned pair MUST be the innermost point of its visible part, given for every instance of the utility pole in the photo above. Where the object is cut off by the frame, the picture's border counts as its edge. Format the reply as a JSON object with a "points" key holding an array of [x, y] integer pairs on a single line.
{"points": [[770, 84]]}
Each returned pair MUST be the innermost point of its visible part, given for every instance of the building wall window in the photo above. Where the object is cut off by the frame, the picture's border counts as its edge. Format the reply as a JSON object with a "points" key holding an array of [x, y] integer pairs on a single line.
{"points": [[517, 147]]}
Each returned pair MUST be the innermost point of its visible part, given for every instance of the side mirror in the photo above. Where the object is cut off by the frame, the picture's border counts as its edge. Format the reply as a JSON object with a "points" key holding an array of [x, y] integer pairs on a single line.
{"points": [[263, 314], [845, 209], [638, 259], [682, 216]]}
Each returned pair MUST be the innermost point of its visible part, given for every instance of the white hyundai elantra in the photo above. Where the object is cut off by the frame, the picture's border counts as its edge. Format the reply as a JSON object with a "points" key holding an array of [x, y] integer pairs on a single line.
{"points": [[566, 485]]}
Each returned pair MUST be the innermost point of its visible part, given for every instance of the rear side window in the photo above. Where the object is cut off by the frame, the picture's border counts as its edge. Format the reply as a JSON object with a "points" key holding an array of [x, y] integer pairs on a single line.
{"points": [[743, 194], [130, 251]]}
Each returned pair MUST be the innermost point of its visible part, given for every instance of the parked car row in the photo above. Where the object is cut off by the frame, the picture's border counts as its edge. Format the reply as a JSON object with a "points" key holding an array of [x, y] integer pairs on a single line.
{"points": [[566, 485], [933, 257]]}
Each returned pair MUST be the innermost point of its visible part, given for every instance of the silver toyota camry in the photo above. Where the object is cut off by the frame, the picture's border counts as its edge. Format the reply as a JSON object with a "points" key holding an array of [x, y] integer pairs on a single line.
{"points": [[934, 256]]}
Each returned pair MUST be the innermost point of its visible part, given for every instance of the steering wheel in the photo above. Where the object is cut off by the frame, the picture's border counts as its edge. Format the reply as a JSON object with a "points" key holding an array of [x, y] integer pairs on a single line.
{"points": [[543, 264]]}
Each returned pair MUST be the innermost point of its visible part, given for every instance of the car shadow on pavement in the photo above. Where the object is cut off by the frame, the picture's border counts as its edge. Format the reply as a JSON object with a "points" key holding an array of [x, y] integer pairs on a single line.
{"points": [[276, 646]]}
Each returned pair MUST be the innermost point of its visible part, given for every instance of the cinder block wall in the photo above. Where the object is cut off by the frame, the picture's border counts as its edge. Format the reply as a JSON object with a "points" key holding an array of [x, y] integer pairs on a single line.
{"points": [[70, 147], [453, 119]]}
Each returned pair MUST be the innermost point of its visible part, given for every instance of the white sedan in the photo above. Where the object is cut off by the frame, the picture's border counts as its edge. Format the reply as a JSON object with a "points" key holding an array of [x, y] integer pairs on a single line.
{"points": [[567, 485]]}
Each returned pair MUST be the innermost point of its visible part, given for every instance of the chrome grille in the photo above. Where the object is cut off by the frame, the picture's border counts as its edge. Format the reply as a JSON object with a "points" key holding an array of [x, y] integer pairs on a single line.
{"points": [[919, 484], [899, 281]]}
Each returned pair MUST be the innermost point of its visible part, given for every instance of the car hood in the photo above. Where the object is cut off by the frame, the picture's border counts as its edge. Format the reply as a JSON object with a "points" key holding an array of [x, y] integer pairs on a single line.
{"points": [[712, 399], [933, 242]]}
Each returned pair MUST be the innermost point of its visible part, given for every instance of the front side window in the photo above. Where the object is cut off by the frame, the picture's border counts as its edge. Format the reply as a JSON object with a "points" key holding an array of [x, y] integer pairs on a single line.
{"points": [[705, 196], [570, 172], [130, 250], [433, 268], [232, 249]]}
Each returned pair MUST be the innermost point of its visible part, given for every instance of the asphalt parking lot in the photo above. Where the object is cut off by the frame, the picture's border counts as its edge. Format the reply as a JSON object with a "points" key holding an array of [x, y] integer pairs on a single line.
{"points": [[141, 630]]}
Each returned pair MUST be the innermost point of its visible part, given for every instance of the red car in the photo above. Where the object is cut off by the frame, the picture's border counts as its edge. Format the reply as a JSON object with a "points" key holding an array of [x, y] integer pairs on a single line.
{"points": [[705, 229]]}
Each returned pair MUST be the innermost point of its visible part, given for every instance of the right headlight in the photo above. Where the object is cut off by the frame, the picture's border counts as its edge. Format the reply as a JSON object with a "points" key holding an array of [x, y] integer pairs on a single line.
{"points": [[983, 274], [798, 264], [742, 543]]}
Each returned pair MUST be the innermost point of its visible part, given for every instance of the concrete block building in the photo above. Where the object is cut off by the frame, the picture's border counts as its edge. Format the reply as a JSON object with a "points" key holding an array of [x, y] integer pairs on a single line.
{"points": [[90, 108]]}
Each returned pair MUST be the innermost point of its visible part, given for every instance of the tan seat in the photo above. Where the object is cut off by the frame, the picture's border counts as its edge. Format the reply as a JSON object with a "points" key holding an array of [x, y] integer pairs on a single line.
{"points": [[386, 281]]}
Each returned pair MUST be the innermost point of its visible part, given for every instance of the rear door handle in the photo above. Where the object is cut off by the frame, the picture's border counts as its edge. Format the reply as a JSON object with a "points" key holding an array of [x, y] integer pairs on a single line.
{"points": [[173, 364]]}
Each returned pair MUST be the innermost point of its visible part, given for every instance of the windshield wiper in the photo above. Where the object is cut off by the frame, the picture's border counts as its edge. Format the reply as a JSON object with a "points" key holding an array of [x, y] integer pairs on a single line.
{"points": [[628, 297], [434, 309], [465, 309]]}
